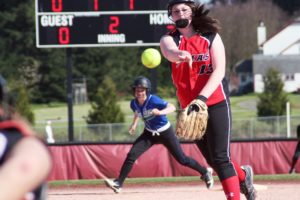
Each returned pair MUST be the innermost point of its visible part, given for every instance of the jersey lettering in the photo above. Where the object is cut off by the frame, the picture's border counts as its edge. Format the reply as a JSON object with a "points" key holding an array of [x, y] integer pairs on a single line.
{"points": [[147, 115], [200, 57], [205, 69]]}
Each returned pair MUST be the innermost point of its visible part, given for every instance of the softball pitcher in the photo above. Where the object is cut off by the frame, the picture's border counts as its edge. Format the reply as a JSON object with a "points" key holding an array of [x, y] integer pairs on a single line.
{"points": [[197, 57], [153, 110]]}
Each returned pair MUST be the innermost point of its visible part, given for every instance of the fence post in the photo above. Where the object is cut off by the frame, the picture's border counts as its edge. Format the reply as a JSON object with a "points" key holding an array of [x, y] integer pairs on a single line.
{"points": [[288, 120], [49, 132]]}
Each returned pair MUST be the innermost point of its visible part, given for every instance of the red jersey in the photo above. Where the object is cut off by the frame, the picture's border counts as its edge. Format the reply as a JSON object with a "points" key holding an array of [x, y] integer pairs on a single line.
{"points": [[190, 81]]}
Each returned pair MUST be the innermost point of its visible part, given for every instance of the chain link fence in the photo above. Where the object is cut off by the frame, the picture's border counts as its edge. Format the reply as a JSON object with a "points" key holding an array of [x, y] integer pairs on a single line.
{"points": [[265, 127], [248, 128]]}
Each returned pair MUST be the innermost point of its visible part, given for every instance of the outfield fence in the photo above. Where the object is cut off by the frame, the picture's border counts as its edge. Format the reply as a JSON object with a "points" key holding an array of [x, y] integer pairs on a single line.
{"points": [[247, 128]]}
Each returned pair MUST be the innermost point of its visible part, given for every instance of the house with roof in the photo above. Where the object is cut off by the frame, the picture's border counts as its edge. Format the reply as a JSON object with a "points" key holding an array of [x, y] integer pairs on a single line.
{"points": [[281, 52], [242, 81]]}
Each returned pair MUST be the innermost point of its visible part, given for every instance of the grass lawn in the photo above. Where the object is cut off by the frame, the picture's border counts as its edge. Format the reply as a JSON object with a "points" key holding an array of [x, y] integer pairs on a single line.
{"points": [[242, 107], [59, 112]]}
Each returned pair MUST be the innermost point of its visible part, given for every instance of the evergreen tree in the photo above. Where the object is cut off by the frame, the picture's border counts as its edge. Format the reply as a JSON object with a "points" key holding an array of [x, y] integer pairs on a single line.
{"points": [[273, 100], [22, 104], [104, 105]]}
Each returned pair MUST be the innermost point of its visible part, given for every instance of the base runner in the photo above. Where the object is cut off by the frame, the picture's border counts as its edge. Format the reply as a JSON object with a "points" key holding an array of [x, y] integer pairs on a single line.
{"points": [[153, 110]]}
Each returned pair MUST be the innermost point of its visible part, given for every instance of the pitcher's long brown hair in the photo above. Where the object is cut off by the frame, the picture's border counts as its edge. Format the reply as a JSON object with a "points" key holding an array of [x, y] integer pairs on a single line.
{"points": [[201, 22]]}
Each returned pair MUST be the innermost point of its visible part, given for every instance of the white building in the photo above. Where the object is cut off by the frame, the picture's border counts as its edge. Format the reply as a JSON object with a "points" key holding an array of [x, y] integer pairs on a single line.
{"points": [[282, 52]]}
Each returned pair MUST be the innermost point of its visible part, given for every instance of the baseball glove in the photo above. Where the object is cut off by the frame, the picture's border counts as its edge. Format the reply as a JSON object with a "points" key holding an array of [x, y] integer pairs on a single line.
{"points": [[192, 121]]}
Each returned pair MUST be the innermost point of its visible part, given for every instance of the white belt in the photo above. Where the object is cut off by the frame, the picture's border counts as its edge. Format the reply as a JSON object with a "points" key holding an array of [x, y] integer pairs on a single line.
{"points": [[161, 129]]}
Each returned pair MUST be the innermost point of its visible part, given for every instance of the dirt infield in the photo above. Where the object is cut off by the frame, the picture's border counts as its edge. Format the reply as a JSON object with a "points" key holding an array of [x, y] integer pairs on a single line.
{"points": [[167, 191]]}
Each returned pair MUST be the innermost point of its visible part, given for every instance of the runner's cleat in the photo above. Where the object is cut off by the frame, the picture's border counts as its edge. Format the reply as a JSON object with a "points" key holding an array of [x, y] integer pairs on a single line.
{"points": [[208, 178], [114, 185]]}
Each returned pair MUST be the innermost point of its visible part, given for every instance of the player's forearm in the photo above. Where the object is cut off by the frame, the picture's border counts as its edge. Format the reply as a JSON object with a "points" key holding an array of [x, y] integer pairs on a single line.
{"points": [[212, 84], [172, 55], [218, 64], [169, 49], [169, 109], [135, 120]]}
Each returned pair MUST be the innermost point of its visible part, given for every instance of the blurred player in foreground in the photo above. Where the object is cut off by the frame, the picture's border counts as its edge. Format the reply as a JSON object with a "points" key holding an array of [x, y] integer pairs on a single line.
{"points": [[197, 56], [153, 110], [24, 159]]}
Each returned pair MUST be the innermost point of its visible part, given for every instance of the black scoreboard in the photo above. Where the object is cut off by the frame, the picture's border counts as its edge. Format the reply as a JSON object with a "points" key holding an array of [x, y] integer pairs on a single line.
{"points": [[96, 23]]}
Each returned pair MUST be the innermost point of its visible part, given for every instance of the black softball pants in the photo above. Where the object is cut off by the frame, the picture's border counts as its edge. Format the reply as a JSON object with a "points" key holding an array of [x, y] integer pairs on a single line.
{"points": [[215, 145], [146, 140]]}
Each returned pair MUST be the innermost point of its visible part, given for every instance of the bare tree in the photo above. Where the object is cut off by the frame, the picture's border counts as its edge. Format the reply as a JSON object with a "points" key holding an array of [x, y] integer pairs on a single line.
{"points": [[239, 26]]}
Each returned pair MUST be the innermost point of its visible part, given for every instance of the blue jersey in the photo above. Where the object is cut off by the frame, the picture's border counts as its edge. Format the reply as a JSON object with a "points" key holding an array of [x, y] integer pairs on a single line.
{"points": [[152, 122]]}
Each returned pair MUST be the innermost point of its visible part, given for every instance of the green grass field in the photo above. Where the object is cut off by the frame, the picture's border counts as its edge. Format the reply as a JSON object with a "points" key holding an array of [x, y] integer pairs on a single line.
{"points": [[242, 107]]}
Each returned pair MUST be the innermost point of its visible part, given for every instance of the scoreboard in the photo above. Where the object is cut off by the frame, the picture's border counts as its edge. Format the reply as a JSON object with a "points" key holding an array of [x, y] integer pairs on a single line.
{"points": [[96, 23]]}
